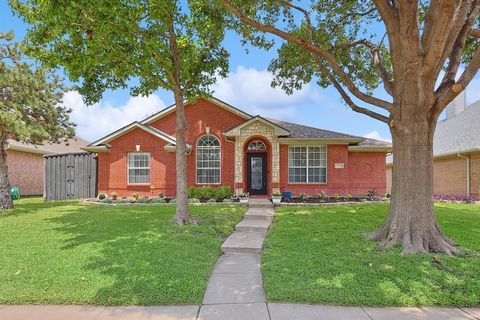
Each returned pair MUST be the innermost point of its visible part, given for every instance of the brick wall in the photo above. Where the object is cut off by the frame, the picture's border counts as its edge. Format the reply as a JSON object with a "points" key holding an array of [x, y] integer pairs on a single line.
{"points": [[26, 171], [200, 115], [475, 175], [450, 176], [361, 172]]}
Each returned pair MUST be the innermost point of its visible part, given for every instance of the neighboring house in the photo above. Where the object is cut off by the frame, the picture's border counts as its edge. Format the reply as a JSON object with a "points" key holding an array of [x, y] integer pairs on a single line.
{"points": [[232, 148], [26, 165], [456, 151]]}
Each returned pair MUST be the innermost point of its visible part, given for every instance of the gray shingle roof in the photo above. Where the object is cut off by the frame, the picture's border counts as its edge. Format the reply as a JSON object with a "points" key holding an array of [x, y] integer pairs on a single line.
{"points": [[72, 146], [305, 132], [457, 135], [299, 131]]}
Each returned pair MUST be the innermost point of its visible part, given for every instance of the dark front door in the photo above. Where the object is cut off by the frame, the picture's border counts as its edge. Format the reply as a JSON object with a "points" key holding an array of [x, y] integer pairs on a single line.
{"points": [[257, 173]]}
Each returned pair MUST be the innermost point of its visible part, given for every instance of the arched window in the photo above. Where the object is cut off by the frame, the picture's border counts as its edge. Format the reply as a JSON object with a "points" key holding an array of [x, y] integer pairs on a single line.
{"points": [[256, 145], [208, 160]]}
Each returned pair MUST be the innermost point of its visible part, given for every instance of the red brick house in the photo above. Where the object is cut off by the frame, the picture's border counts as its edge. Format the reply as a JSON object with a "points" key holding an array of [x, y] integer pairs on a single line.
{"points": [[232, 148]]}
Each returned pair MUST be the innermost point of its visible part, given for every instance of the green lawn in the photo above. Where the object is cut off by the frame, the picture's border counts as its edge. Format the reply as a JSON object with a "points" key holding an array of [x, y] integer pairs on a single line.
{"points": [[116, 255], [320, 255]]}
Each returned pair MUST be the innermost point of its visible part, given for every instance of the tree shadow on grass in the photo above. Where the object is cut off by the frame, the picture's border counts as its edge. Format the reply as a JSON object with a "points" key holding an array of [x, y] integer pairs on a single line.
{"points": [[324, 258], [142, 257]]}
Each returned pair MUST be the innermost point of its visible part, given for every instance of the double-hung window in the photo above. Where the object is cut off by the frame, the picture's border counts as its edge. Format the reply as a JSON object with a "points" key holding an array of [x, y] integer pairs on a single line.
{"points": [[138, 168], [307, 164], [208, 160]]}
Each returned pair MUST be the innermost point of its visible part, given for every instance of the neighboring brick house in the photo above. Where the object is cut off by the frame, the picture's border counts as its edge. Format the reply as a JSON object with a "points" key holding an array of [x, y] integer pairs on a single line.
{"points": [[456, 151], [26, 165], [232, 148]]}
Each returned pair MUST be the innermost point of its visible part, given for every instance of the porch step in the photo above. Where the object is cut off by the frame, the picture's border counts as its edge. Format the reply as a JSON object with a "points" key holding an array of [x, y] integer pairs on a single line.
{"points": [[253, 226], [259, 203], [244, 242]]}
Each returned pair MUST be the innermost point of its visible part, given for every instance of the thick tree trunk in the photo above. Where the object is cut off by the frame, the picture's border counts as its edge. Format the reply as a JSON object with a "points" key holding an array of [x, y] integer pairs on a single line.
{"points": [[182, 216], [5, 198], [411, 221]]}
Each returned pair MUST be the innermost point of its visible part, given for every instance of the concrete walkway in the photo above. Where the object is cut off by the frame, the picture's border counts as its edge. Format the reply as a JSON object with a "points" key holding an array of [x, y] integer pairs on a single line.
{"points": [[235, 292]]}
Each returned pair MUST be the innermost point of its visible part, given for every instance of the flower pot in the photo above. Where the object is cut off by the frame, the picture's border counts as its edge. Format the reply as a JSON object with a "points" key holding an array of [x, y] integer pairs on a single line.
{"points": [[276, 200], [243, 200]]}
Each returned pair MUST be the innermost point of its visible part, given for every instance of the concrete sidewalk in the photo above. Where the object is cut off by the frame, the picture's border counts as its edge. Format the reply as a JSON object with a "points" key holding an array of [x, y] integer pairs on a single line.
{"points": [[249, 311]]}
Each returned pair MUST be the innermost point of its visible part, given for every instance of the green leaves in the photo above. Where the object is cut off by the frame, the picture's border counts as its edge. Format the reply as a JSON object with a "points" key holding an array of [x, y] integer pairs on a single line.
{"points": [[119, 44], [30, 99]]}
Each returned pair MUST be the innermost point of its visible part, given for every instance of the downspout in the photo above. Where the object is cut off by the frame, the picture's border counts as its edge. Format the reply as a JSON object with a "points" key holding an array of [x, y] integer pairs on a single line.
{"points": [[468, 171]]}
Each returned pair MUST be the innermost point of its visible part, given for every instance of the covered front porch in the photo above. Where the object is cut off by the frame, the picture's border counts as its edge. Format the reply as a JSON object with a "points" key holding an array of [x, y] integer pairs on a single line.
{"points": [[257, 156]]}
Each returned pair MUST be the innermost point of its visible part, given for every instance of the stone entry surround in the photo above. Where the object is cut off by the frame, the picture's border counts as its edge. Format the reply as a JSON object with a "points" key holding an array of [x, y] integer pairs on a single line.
{"points": [[262, 130]]}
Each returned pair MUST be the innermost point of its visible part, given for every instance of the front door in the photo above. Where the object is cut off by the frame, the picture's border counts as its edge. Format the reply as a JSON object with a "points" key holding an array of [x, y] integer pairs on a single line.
{"points": [[257, 173]]}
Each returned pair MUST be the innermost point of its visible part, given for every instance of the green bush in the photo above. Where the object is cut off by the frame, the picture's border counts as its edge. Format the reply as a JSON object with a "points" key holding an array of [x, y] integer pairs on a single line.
{"points": [[158, 200], [144, 200], [193, 200], [106, 200], [101, 196], [223, 192], [213, 200], [209, 192]]}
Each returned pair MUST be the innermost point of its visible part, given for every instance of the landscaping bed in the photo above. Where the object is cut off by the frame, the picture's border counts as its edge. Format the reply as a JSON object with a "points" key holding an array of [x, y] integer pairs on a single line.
{"points": [[320, 254], [69, 253]]}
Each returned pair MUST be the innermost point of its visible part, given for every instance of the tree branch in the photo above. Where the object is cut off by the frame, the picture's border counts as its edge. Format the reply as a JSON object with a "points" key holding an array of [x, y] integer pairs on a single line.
{"points": [[451, 89], [474, 33], [458, 45], [328, 57], [346, 97]]}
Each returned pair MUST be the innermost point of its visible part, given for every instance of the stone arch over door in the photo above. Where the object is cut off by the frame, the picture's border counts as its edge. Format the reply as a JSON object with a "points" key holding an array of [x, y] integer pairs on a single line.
{"points": [[260, 131]]}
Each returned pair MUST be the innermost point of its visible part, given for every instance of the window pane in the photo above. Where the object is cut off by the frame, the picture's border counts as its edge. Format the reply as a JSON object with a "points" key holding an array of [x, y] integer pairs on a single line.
{"points": [[138, 167], [307, 164], [208, 160]]}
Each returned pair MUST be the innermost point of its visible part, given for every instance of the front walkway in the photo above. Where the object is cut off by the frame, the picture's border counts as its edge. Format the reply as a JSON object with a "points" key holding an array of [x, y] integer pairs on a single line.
{"points": [[235, 291]]}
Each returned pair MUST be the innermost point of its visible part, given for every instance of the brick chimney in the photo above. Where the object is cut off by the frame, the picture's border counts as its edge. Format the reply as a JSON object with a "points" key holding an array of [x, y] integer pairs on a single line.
{"points": [[457, 106]]}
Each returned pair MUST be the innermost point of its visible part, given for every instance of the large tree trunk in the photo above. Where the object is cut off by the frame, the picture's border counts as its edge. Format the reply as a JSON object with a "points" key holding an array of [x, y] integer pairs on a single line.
{"points": [[182, 216], [5, 198], [411, 221]]}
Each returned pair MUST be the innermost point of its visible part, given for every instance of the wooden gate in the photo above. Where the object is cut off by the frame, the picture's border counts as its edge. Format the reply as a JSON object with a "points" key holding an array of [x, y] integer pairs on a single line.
{"points": [[70, 176]]}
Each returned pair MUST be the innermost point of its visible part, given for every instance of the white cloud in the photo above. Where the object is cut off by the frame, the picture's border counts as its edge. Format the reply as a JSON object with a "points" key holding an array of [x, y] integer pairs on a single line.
{"points": [[250, 89], [100, 119], [377, 136]]}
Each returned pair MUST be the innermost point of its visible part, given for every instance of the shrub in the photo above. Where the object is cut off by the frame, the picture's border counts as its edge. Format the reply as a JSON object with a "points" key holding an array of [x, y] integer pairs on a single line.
{"points": [[452, 198], [101, 196], [223, 192], [173, 200], [244, 195], [213, 200], [158, 200], [106, 200], [227, 200], [144, 200], [193, 200], [372, 193]]}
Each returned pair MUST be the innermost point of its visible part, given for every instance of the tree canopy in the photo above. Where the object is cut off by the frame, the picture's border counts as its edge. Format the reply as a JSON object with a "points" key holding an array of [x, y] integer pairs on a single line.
{"points": [[31, 109]]}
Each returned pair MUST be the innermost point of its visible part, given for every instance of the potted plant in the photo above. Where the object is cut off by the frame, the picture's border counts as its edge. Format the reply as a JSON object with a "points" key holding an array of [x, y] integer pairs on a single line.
{"points": [[114, 195], [101, 196], [276, 197], [135, 196], [244, 197]]}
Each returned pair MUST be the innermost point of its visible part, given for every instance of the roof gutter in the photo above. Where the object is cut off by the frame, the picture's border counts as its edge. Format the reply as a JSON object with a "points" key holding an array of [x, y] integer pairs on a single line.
{"points": [[27, 149]]}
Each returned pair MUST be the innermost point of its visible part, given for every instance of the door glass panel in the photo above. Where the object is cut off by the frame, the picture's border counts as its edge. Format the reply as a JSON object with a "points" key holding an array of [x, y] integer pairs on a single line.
{"points": [[256, 165]]}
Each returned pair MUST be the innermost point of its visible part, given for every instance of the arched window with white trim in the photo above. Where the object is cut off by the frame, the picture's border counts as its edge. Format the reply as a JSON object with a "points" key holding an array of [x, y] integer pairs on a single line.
{"points": [[208, 160], [256, 145]]}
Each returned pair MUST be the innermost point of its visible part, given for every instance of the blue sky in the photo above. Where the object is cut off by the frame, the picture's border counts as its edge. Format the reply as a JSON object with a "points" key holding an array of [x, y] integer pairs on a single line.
{"points": [[247, 87]]}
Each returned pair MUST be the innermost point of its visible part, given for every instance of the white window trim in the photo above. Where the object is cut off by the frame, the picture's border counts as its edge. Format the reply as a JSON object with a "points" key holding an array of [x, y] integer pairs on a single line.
{"points": [[196, 161], [149, 168], [326, 164]]}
